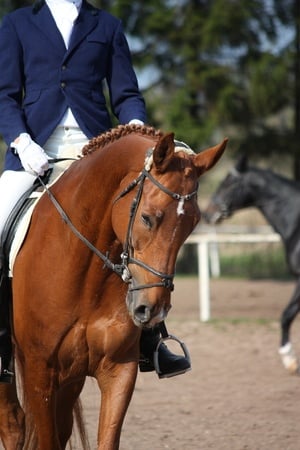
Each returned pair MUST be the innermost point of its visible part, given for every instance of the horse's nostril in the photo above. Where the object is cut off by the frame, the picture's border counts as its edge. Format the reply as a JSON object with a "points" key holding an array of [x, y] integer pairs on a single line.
{"points": [[142, 313]]}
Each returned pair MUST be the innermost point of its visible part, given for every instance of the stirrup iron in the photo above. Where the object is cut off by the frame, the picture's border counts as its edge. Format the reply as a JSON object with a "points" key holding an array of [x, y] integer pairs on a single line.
{"points": [[169, 337]]}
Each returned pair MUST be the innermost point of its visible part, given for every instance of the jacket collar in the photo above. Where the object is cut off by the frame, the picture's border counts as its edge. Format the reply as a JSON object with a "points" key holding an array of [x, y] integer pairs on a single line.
{"points": [[85, 23], [37, 6]]}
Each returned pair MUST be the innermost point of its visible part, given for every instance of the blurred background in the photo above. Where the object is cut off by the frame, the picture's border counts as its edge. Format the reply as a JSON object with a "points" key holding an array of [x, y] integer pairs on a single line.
{"points": [[210, 68]]}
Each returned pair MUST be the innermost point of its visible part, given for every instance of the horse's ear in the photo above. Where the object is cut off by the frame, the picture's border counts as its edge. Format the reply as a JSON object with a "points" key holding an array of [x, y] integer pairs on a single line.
{"points": [[242, 163], [208, 158], [163, 152]]}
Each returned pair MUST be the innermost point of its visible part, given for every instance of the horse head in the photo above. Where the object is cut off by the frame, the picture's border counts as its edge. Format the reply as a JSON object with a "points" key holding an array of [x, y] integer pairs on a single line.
{"points": [[162, 210], [233, 193]]}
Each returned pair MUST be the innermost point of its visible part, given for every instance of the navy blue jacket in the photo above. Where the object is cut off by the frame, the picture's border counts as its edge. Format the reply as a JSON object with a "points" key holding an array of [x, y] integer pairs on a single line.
{"points": [[40, 79]]}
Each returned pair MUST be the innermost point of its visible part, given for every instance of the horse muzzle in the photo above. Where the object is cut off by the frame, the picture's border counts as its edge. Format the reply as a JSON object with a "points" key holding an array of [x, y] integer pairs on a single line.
{"points": [[215, 213], [144, 313]]}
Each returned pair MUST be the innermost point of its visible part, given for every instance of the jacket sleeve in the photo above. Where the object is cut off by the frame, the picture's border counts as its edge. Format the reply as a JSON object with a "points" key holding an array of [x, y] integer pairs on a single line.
{"points": [[127, 102], [12, 121]]}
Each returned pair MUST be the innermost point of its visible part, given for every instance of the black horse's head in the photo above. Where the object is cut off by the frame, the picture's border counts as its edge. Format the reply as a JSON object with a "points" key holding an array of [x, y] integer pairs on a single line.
{"points": [[232, 194]]}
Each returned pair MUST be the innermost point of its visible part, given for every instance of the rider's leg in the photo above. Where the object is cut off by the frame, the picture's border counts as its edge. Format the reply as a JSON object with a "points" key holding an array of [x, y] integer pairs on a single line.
{"points": [[13, 184], [169, 363]]}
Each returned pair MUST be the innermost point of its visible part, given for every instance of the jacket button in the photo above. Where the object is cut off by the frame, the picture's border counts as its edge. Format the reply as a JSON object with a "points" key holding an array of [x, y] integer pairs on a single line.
{"points": [[64, 67], [63, 84]]}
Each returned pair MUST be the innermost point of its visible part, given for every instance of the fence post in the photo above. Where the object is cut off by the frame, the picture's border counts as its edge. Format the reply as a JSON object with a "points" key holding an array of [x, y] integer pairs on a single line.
{"points": [[203, 267], [214, 259], [203, 241]]}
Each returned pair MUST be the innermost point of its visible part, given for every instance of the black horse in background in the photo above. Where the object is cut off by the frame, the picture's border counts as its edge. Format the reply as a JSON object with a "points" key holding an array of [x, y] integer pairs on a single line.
{"points": [[278, 199]]}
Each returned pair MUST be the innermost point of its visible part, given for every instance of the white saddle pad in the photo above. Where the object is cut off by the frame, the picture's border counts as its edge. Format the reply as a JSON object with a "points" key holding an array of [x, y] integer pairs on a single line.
{"points": [[22, 227]]}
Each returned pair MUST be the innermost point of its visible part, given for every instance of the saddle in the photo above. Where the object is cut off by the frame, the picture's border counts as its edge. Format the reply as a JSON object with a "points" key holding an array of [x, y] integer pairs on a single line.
{"points": [[17, 224]]}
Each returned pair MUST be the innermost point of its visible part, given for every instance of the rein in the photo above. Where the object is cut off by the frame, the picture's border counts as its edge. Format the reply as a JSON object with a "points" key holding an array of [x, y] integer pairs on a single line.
{"points": [[122, 269], [117, 268]]}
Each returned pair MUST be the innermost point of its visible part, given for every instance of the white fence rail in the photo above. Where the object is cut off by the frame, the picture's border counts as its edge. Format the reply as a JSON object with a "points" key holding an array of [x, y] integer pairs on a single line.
{"points": [[207, 249]]}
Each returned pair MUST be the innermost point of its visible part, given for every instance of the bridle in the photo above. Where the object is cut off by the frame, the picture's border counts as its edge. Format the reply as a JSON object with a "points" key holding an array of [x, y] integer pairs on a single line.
{"points": [[166, 279], [123, 269]]}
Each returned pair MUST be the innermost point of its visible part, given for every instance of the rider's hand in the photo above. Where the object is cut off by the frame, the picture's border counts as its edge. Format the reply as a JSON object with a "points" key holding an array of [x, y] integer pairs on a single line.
{"points": [[32, 156]]}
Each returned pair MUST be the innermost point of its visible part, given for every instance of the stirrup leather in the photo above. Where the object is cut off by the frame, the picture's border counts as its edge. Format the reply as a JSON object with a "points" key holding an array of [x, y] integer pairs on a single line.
{"points": [[6, 375]]}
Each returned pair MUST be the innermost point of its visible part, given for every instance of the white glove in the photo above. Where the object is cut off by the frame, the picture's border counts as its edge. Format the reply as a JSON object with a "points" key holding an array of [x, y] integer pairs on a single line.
{"points": [[135, 122], [32, 156]]}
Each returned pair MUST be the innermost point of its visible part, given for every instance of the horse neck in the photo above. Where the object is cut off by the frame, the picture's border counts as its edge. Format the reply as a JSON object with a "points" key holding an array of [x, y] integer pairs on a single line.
{"points": [[89, 189], [276, 197]]}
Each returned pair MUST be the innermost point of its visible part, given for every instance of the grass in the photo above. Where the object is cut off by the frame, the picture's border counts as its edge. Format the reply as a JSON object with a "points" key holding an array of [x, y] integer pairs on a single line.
{"points": [[256, 265], [252, 262]]}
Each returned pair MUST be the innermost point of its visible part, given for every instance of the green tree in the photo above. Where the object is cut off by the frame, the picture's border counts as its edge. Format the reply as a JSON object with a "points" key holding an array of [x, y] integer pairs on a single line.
{"points": [[217, 66], [209, 67], [10, 5]]}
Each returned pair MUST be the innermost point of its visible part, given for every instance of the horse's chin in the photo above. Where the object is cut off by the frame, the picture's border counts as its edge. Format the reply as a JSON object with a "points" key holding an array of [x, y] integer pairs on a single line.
{"points": [[147, 324]]}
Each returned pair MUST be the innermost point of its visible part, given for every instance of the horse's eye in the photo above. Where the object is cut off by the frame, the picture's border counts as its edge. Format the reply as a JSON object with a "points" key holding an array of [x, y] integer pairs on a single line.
{"points": [[146, 221]]}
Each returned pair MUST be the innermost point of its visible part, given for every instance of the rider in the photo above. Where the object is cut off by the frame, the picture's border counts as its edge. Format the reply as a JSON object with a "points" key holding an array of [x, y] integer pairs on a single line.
{"points": [[54, 58]]}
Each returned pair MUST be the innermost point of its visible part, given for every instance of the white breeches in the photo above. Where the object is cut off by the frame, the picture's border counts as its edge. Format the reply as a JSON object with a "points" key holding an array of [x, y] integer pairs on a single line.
{"points": [[63, 143]]}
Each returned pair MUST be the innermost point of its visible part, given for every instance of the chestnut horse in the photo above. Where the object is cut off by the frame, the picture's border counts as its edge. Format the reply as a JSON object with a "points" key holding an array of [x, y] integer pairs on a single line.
{"points": [[96, 267]]}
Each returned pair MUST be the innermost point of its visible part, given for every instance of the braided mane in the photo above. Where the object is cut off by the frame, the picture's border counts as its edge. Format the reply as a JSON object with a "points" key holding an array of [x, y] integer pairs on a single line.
{"points": [[116, 133]]}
